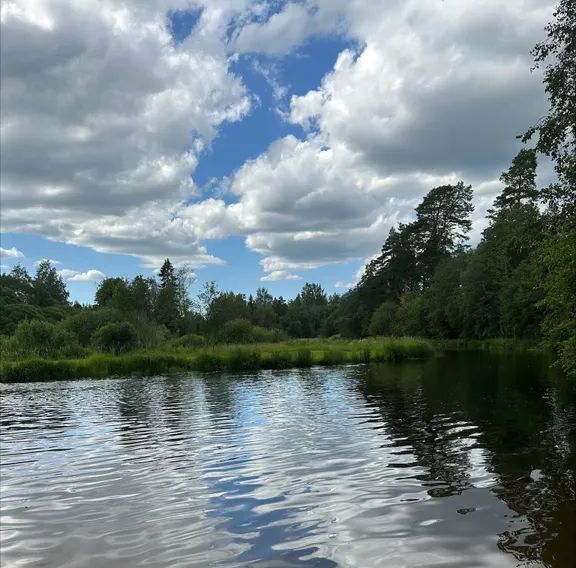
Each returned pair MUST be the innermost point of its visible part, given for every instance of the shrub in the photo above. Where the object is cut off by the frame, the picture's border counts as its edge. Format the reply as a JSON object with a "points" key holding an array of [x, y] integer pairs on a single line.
{"points": [[303, 358], [151, 335], [12, 314], [409, 316], [278, 360], [42, 339], [115, 337], [265, 335], [333, 357], [189, 341], [383, 319], [567, 357], [244, 360], [236, 331], [8, 348], [206, 362]]}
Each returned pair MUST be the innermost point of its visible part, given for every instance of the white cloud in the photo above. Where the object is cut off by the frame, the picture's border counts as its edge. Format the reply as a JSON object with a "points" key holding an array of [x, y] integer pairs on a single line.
{"points": [[11, 253], [91, 275], [67, 273], [102, 114], [50, 260], [436, 92], [277, 275], [88, 276], [105, 143], [344, 285]]}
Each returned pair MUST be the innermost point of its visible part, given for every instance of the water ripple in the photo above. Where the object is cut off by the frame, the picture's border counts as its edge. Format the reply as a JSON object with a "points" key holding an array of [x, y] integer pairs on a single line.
{"points": [[316, 468]]}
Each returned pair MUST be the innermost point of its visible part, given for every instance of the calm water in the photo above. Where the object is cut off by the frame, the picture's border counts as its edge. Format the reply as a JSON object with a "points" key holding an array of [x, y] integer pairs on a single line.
{"points": [[468, 460]]}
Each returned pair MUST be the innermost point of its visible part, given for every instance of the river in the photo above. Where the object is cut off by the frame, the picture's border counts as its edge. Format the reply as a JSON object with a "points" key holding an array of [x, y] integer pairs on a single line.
{"points": [[464, 460]]}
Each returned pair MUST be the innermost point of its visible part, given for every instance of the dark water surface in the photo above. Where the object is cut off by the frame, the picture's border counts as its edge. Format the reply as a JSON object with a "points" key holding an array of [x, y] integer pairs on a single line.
{"points": [[468, 460]]}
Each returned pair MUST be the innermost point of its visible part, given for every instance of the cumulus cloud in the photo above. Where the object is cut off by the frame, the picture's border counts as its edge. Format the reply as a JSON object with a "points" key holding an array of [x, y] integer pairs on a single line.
{"points": [[344, 285], [91, 275], [88, 276], [436, 92], [11, 253], [277, 275], [102, 113], [104, 119]]}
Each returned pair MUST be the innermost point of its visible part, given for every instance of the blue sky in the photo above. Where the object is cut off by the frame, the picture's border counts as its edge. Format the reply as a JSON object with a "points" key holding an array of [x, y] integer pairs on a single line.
{"points": [[261, 143]]}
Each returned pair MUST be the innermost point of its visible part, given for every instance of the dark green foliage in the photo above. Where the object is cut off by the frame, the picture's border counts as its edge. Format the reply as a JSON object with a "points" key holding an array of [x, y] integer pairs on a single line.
{"points": [[556, 133], [189, 341], [84, 324], [113, 293], [207, 362], [263, 335], [16, 287], [225, 307], [442, 224], [48, 288], [243, 360], [442, 301], [277, 360], [12, 314], [37, 338], [332, 357], [557, 257], [410, 316], [298, 355], [519, 181], [383, 320], [236, 331], [115, 337], [395, 271], [303, 358]]}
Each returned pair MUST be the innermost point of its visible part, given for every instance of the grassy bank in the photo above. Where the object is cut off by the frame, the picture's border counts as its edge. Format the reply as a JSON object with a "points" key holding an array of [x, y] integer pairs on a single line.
{"points": [[290, 354], [492, 345]]}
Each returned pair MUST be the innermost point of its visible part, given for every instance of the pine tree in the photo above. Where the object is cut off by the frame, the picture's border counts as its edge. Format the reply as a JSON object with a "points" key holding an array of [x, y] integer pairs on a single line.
{"points": [[519, 181], [442, 224], [166, 273]]}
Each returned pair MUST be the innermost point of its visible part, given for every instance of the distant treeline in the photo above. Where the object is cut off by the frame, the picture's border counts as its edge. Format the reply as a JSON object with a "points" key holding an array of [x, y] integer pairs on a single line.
{"points": [[519, 282]]}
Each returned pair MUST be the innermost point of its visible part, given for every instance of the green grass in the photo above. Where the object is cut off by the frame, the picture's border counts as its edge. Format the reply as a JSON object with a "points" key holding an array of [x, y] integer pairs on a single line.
{"points": [[289, 354], [493, 345]]}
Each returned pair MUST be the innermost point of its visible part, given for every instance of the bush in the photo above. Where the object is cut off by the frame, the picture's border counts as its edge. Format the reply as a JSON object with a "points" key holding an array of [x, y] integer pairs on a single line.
{"points": [[37, 338], [265, 335], [12, 314], [236, 331], [55, 314], [409, 317], [278, 360], [567, 357], [383, 319], [115, 337], [303, 358], [151, 335], [242, 360], [333, 357], [206, 362], [83, 325], [189, 341]]}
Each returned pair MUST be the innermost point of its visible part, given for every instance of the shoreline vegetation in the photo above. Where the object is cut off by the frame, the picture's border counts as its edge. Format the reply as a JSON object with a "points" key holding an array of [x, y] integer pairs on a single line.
{"points": [[295, 354]]}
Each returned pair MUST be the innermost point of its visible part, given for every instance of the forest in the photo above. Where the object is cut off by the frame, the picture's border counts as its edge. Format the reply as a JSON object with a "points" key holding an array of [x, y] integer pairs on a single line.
{"points": [[519, 282]]}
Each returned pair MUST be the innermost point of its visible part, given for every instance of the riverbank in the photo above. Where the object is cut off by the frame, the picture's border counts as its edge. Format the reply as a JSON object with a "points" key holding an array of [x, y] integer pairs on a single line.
{"points": [[286, 355]]}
